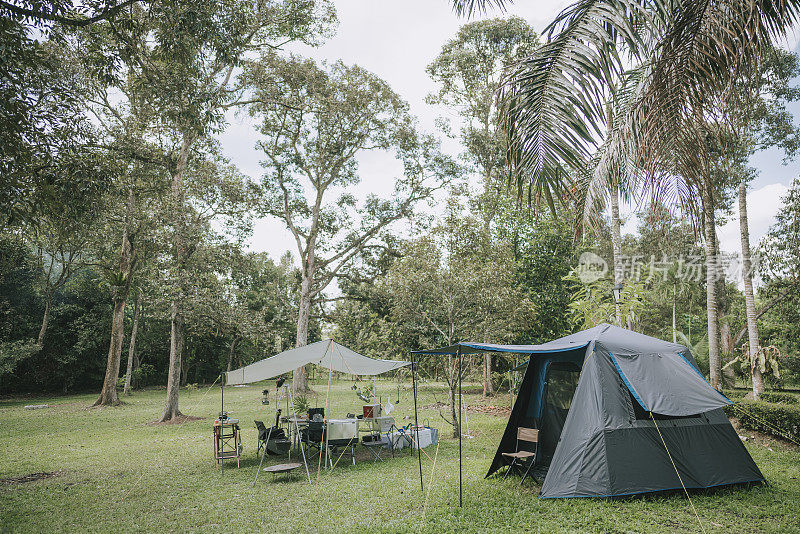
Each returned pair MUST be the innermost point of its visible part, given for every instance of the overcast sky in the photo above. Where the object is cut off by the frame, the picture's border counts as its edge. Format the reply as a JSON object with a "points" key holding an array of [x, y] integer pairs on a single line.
{"points": [[396, 40]]}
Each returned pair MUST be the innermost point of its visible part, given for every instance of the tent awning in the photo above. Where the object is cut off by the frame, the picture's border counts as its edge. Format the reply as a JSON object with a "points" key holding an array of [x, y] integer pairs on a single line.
{"points": [[472, 348], [327, 354]]}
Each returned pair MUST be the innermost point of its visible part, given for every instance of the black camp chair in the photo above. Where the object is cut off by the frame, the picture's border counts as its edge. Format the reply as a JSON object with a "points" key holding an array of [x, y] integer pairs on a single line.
{"points": [[262, 435], [313, 435], [524, 459], [273, 439]]}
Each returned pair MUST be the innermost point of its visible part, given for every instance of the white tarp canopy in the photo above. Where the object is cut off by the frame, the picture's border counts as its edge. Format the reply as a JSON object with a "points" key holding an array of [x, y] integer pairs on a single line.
{"points": [[326, 353]]}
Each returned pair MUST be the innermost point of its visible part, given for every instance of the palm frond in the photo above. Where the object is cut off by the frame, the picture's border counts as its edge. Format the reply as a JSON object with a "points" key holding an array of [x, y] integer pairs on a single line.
{"points": [[705, 49], [467, 8], [614, 164], [554, 100]]}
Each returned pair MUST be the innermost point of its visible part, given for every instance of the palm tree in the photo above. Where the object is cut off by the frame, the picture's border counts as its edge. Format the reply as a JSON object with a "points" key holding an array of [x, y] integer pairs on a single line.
{"points": [[673, 285], [750, 304], [691, 53]]}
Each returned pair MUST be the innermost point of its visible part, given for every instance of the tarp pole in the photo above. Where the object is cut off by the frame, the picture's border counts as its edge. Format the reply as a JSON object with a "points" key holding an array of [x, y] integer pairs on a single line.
{"points": [[416, 420], [221, 428], [460, 470], [297, 431], [269, 435]]}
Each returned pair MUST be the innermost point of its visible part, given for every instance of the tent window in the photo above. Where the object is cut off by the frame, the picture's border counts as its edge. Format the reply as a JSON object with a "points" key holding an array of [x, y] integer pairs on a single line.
{"points": [[562, 379]]}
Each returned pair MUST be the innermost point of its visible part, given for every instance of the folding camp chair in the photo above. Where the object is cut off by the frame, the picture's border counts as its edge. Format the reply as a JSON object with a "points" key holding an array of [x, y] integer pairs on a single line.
{"points": [[314, 434], [262, 435], [375, 443], [520, 458]]}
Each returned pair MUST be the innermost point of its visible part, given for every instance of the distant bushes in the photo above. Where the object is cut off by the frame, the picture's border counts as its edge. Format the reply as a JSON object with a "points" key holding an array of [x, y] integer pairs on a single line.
{"points": [[780, 397], [780, 419]]}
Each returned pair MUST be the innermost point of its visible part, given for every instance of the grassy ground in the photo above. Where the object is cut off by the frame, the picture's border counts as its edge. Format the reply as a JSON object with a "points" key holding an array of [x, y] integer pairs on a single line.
{"points": [[116, 472]]}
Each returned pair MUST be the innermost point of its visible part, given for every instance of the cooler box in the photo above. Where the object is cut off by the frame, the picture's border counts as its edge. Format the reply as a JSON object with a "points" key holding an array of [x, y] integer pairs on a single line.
{"points": [[342, 430], [372, 411]]}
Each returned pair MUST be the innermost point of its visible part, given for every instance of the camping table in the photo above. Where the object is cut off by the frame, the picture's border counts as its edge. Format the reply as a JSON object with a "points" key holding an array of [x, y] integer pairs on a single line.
{"points": [[227, 441], [400, 440], [282, 468], [379, 424]]}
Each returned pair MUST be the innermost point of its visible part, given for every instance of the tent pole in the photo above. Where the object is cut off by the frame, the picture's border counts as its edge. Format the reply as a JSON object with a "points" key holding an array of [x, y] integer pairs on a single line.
{"points": [[221, 409], [460, 470], [416, 420], [269, 435], [297, 430]]}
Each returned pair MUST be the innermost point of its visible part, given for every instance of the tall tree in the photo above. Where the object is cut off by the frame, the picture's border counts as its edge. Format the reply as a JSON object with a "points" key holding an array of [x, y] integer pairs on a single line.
{"points": [[555, 99], [762, 120], [454, 285], [120, 283], [46, 159], [750, 302], [469, 71], [59, 242], [315, 123], [182, 58]]}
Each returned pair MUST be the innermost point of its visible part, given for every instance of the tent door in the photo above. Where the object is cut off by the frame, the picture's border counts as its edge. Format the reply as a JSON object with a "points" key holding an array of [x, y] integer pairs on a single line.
{"points": [[560, 383]]}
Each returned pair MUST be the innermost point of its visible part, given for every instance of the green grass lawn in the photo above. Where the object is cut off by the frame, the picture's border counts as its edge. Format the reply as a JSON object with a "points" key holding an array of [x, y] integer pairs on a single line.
{"points": [[118, 473]]}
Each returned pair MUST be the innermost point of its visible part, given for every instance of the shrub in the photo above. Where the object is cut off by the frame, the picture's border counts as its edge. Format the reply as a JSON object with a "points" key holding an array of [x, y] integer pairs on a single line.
{"points": [[780, 397], [144, 375], [734, 394], [781, 420]]}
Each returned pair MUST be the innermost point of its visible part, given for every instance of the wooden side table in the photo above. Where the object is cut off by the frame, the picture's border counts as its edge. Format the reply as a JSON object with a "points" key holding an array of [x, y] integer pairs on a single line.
{"points": [[227, 441]]}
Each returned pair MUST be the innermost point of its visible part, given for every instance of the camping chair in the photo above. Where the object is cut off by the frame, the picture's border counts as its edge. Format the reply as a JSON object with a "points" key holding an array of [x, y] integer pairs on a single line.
{"points": [[520, 458], [375, 443], [262, 435], [313, 435]]}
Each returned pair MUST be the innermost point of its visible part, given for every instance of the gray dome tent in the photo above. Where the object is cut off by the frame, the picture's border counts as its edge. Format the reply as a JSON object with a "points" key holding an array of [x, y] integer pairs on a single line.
{"points": [[592, 394]]}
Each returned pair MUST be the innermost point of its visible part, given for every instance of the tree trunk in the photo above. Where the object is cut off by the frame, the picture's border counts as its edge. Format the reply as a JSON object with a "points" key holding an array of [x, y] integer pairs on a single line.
{"points": [[453, 370], [48, 304], [230, 352], [185, 373], [300, 378], [136, 363], [616, 245], [488, 385], [750, 303], [108, 395], [171, 410], [674, 321], [453, 408], [137, 306], [176, 342], [709, 227]]}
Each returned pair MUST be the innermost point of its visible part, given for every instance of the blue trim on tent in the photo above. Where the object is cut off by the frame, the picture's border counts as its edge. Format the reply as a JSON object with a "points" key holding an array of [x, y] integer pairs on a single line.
{"points": [[506, 348], [542, 379], [628, 384], [499, 348], [704, 378], [521, 366], [654, 490]]}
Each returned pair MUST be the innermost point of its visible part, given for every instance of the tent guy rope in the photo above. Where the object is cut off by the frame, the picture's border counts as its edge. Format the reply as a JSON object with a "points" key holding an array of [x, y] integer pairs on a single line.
{"points": [[678, 473]]}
